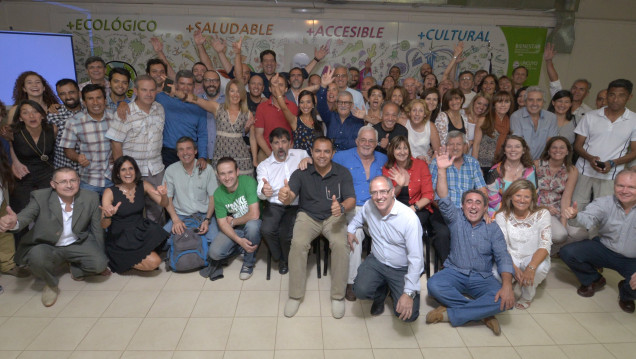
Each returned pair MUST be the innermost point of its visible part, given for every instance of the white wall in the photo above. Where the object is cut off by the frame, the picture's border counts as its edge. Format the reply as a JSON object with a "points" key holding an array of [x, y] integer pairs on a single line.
{"points": [[604, 48]]}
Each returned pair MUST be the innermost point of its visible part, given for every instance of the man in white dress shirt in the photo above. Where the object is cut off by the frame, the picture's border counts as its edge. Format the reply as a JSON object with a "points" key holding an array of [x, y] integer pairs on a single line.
{"points": [[278, 219], [397, 259]]}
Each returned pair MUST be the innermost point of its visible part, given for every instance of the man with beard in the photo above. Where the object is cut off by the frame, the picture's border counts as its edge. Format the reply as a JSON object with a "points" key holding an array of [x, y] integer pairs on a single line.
{"points": [[295, 84], [366, 84], [211, 85], [88, 130], [68, 92], [354, 78], [278, 219], [198, 69], [410, 84], [119, 79], [425, 69], [255, 93], [157, 69]]}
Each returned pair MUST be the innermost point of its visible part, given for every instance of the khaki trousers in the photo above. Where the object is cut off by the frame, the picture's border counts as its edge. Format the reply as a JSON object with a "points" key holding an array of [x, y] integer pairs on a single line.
{"points": [[305, 230]]}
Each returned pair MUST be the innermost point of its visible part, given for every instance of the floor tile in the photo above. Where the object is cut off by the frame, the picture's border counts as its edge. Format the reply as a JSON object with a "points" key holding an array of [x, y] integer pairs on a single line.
{"points": [[217, 303], [249, 354], [564, 329], [252, 334], [345, 333], [34, 308], [89, 303], [259, 281], [493, 353], [17, 333], [627, 320], [10, 354], [544, 303], [574, 303], [586, 351], [397, 353], [540, 352], [230, 281], [349, 354], [145, 354], [45, 354], [299, 333], [194, 354], [101, 354], [310, 306], [258, 303], [604, 327], [446, 353], [295, 354], [154, 280], [185, 281], [110, 334], [131, 303], [157, 334], [62, 334], [622, 350], [524, 330], [476, 334], [113, 282], [390, 332], [173, 304], [436, 335], [205, 334], [352, 309], [13, 299]]}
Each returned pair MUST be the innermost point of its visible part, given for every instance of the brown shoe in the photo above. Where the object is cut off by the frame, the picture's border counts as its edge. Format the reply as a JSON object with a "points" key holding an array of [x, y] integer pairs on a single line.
{"points": [[589, 290], [350, 295], [18, 272], [626, 305], [492, 323], [436, 315]]}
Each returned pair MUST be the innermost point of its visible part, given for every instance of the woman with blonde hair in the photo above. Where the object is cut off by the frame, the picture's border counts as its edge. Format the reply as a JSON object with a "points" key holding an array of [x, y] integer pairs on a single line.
{"points": [[422, 131], [528, 233]]}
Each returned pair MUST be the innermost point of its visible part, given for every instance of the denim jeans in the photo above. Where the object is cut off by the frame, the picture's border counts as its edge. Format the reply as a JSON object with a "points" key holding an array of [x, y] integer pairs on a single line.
{"points": [[224, 247], [213, 228], [99, 190], [448, 286], [585, 256]]}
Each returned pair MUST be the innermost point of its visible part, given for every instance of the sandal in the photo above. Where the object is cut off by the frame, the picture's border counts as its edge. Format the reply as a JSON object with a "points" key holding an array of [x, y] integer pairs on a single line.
{"points": [[523, 304]]}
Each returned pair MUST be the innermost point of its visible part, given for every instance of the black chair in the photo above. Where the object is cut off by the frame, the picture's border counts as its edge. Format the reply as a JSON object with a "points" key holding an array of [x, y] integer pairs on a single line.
{"points": [[315, 244], [436, 261]]}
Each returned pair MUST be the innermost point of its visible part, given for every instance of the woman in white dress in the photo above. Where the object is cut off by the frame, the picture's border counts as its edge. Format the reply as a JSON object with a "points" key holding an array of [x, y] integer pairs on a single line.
{"points": [[422, 131], [528, 233]]}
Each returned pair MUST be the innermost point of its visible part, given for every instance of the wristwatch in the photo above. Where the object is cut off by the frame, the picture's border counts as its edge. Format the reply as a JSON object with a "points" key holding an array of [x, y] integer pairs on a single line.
{"points": [[612, 163], [207, 219], [342, 209], [411, 294], [417, 208]]}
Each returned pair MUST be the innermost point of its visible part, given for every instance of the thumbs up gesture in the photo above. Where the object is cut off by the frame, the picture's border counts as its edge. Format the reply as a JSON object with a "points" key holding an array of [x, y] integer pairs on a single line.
{"points": [[335, 207], [8, 221], [385, 141], [267, 190], [571, 212], [285, 194]]}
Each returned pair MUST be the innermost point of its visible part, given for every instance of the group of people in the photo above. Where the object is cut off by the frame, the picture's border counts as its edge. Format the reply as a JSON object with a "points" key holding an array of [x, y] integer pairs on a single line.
{"points": [[471, 164]]}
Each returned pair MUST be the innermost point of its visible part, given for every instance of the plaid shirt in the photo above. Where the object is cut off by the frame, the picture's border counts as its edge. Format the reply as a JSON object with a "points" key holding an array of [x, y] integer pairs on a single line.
{"points": [[59, 120], [469, 176], [141, 136], [91, 136]]}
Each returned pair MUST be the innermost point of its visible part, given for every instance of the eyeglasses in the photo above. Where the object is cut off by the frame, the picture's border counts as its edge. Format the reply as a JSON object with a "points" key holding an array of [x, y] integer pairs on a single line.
{"points": [[340, 75], [344, 103], [73, 181], [381, 192], [216, 81], [365, 141]]}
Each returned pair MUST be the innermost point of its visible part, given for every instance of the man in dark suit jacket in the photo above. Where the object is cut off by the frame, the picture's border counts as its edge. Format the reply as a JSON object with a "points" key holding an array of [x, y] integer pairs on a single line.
{"points": [[66, 229]]}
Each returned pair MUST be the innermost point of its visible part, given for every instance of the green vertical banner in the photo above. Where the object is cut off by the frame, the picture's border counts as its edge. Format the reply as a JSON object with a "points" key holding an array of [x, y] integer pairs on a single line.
{"points": [[525, 48]]}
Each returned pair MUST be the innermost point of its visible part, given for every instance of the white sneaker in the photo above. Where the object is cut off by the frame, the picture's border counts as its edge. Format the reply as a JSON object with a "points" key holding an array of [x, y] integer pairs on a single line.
{"points": [[49, 295], [291, 307], [337, 308]]}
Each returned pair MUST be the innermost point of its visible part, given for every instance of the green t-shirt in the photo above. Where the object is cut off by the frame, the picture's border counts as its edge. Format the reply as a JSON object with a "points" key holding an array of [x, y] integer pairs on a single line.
{"points": [[235, 204]]}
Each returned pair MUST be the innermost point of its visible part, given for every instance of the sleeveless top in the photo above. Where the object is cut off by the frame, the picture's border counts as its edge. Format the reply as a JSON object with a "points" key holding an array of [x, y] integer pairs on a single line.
{"points": [[420, 142]]}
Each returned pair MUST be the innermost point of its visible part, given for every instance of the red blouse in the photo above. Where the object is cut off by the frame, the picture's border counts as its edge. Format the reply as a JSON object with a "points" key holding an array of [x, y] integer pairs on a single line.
{"points": [[420, 183]]}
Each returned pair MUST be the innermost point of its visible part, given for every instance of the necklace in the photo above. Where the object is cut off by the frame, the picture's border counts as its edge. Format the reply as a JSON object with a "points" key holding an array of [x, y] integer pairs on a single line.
{"points": [[516, 173], [37, 151]]}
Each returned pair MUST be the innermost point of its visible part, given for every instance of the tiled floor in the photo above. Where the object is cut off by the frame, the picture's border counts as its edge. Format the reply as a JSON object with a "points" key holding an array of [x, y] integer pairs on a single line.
{"points": [[168, 315]]}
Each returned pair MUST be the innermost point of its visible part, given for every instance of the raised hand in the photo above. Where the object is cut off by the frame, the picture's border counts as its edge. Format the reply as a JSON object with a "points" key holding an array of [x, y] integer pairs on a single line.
{"points": [[199, 39], [549, 52], [267, 190], [335, 207], [157, 45], [276, 90], [236, 46], [218, 44], [400, 176], [385, 141], [459, 49], [443, 159], [359, 112], [284, 194], [321, 52], [9, 220], [571, 212], [327, 77], [367, 63]]}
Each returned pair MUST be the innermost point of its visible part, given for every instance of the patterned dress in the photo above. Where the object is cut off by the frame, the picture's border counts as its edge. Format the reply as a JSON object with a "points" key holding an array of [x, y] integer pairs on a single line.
{"points": [[487, 149], [550, 187], [229, 141], [304, 136]]}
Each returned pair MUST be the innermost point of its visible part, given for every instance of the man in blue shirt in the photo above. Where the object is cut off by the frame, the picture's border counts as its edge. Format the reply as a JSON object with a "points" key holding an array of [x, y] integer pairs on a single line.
{"points": [[364, 164], [183, 119], [533, 123], [468, 269], [342, 126]]}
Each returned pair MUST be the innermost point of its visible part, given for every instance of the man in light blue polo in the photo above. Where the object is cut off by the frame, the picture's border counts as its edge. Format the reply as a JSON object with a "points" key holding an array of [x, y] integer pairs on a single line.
{"points": [[364, 163], [533, 123]]}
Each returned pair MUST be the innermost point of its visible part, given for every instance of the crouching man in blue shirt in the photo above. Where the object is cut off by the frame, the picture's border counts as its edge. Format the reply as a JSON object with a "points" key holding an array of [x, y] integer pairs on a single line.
{"points": [[468, 268]]}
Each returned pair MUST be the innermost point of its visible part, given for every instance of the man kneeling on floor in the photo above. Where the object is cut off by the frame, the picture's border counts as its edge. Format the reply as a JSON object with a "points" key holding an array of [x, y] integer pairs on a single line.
{"points": [[468, 268], [397, 259], [66, 229]]}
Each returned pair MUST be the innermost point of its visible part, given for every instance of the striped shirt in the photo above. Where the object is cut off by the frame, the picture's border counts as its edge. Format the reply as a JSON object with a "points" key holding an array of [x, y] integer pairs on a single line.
{"points": [[91, 136], [141, 136], [59, 120], [467, 177]]}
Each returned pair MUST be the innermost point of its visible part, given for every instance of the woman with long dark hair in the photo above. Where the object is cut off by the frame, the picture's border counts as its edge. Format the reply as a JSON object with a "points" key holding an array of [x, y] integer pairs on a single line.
{"points": [[32, 86], [451, 119], [305, 124], [561, 106], [491, 131], [131, 240]]}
